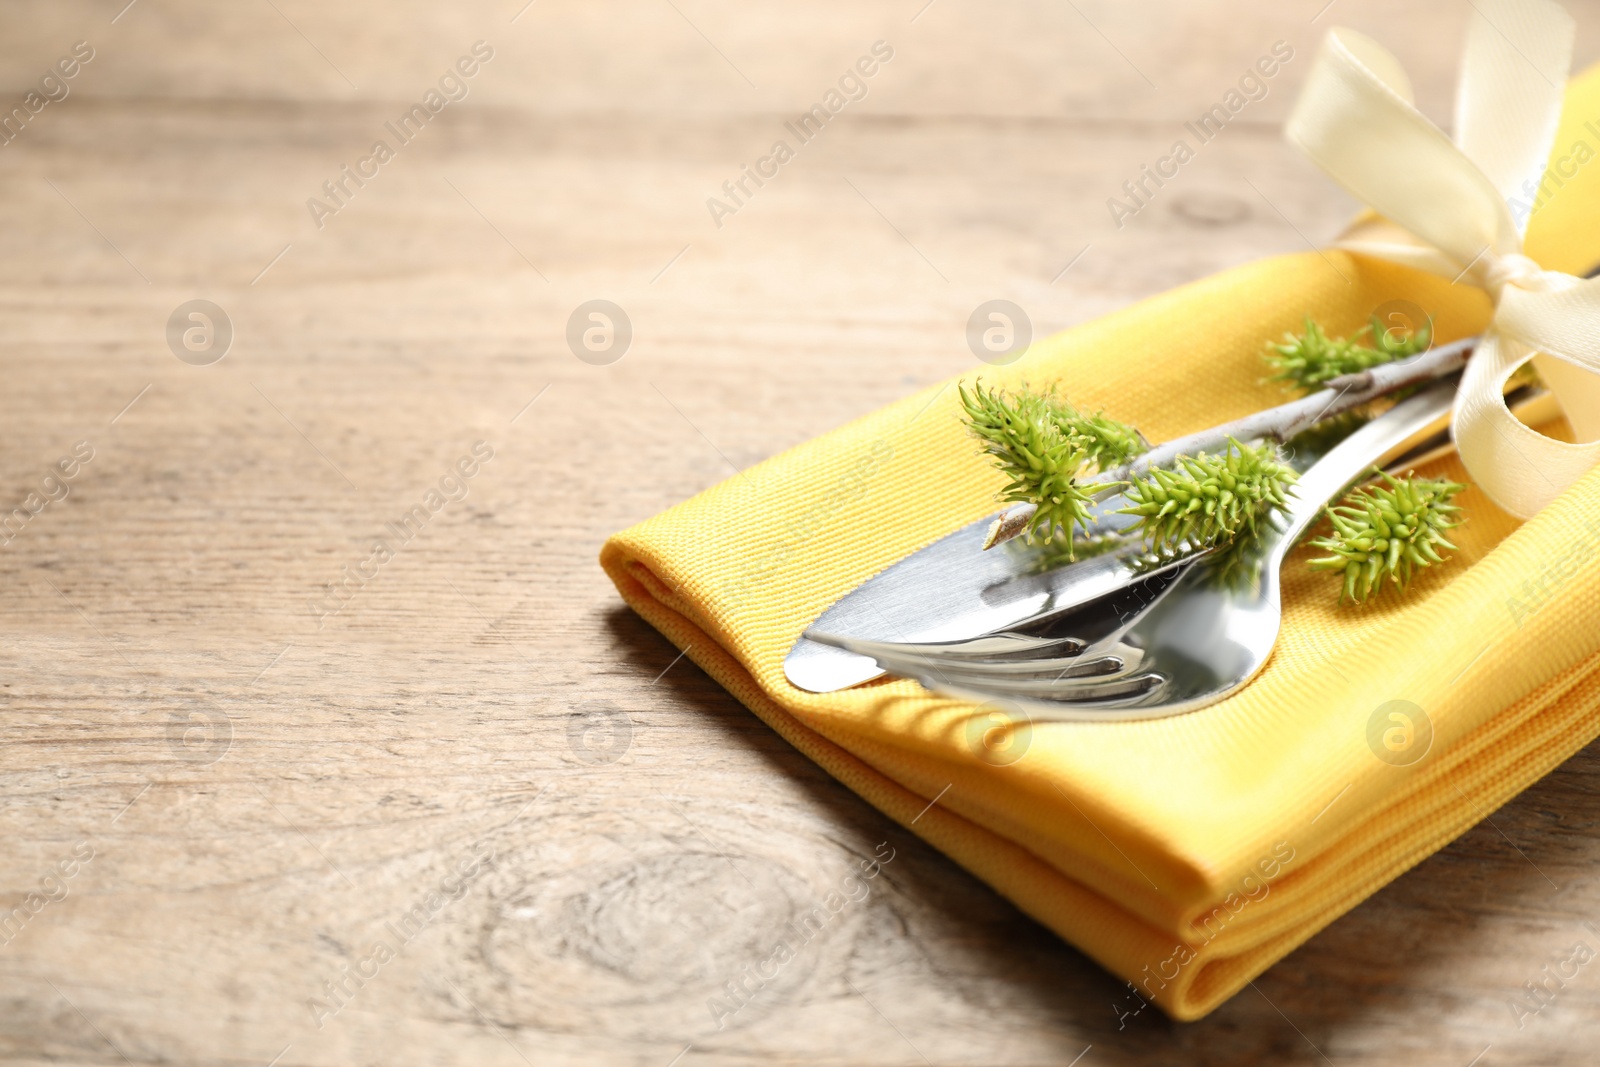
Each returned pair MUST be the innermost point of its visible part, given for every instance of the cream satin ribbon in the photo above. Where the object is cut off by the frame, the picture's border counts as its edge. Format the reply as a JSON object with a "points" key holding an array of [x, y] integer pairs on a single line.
{"points": [[1443, 208]]}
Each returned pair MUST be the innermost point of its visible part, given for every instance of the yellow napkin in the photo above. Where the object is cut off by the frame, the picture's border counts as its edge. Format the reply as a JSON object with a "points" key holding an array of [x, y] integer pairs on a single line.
{"points": [[1185, 854]]}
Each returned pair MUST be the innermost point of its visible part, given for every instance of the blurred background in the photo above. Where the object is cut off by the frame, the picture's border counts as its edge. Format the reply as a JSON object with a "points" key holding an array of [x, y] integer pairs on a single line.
{"points": [[274, 765]]}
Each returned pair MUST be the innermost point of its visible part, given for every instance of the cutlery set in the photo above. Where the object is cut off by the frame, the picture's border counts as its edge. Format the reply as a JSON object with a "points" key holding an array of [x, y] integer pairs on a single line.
{"points": [[1123, 634]]}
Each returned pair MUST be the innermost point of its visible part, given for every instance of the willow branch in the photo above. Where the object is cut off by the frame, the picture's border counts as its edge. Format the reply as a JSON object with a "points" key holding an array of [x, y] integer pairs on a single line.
{"points": [[1274, 424]]}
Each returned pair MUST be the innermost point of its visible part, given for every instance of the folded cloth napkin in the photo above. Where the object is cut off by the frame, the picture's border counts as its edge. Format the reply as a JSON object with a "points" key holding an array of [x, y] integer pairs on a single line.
{"points": [[1186, 854]]}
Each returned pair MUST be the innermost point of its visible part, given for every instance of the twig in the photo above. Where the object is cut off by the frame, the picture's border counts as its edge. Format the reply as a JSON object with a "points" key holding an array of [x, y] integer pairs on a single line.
{"points": [[1274, 424]]}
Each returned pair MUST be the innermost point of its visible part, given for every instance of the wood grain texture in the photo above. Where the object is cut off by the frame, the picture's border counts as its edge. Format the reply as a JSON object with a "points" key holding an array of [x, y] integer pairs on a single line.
{"points": [[569, 840]]}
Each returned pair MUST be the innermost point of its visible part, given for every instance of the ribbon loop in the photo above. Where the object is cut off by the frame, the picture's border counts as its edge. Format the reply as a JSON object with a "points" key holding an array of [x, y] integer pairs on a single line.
{"points": [[1508, 98], [1442, 207]]}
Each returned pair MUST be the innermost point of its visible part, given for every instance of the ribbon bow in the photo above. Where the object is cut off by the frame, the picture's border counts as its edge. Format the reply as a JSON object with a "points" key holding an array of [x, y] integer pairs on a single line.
{"points": [[1444, 206]]}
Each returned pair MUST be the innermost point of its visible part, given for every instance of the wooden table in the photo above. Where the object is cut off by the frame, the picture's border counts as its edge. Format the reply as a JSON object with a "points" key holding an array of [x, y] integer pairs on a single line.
{"points": [[220, 794]]}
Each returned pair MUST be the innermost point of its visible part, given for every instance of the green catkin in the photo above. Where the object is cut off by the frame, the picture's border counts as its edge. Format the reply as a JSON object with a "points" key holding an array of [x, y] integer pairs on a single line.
{"points": [[1044, 446], [1206, 500], [1312, 359], [1388, 531]]}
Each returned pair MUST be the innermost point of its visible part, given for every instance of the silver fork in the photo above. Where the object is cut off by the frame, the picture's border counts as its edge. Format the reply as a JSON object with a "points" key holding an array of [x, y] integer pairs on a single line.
{"points": [[1192, 635]]}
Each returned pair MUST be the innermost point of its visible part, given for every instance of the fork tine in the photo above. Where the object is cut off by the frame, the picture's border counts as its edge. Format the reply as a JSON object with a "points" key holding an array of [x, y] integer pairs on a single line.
{"points": [[1098, 663], [1122, 691], [1047, 673], [912, 660], [1104, 662], [999, 648], [1101, 676]]}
